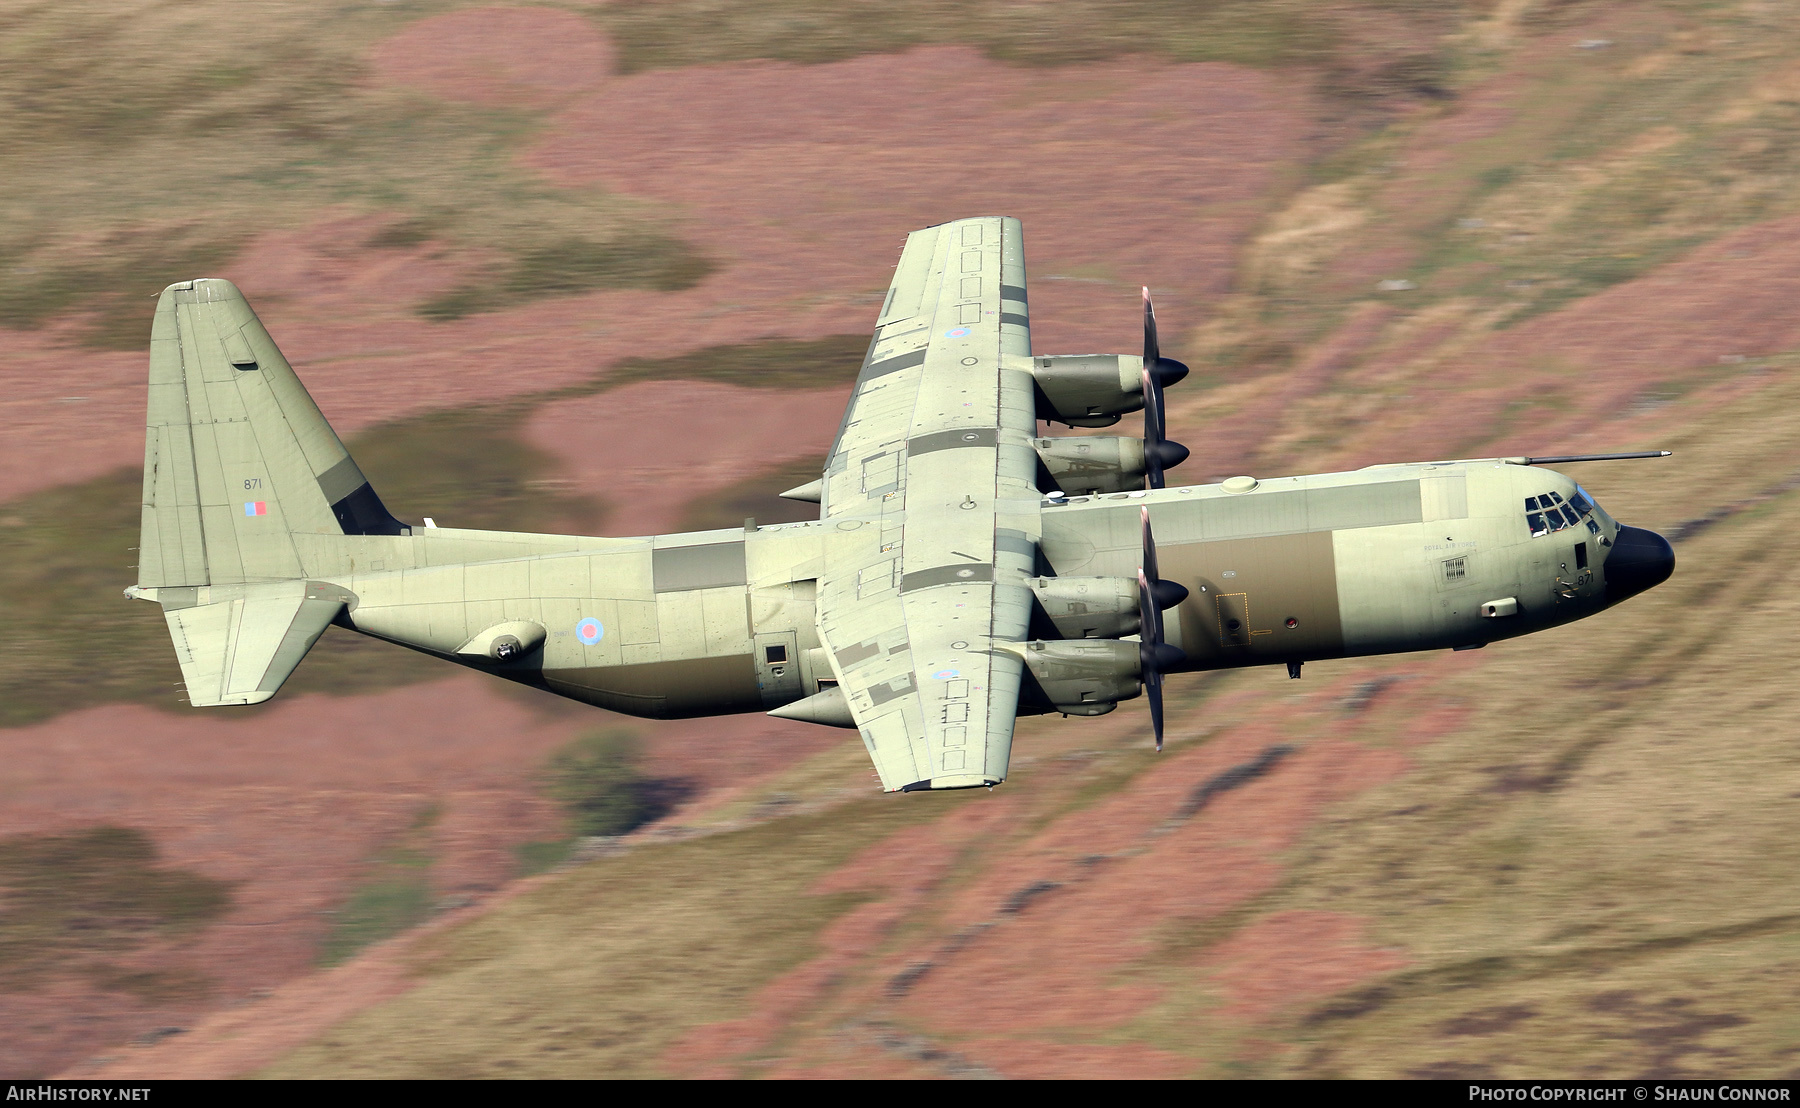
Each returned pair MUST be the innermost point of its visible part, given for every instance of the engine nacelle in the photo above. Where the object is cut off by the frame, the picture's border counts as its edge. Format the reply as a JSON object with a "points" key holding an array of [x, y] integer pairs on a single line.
{"points": [[1080, 677], [1088, 390], [1089, 607], [1091, 464]]}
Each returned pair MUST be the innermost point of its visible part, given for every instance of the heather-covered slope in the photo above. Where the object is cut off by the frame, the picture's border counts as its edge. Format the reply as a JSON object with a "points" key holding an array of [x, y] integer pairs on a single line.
{"points": [[1377, 230]]}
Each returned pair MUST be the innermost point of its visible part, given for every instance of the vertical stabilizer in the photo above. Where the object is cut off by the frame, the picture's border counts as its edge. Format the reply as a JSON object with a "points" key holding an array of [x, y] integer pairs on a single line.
{"points": [[237, 458]]}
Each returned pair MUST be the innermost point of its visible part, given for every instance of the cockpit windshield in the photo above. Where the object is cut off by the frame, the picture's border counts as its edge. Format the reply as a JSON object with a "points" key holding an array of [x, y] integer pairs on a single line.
{"points": [[1550, 512]]}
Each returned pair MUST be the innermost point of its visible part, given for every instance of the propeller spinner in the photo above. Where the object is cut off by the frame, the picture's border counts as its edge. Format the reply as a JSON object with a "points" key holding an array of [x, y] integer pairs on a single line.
{"points": [[1155, 656], [1159, 372]]}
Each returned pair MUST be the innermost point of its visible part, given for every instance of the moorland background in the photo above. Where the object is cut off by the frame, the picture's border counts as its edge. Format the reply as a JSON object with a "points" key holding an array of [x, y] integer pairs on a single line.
{"points": [[610, 267]]}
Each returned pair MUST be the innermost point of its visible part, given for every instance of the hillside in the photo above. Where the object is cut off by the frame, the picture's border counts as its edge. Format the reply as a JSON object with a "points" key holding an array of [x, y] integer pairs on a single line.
{"points": [[1379, 231]]}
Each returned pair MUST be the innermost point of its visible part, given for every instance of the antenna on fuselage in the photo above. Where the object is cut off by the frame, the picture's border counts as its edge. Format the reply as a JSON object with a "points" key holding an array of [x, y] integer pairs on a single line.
{"points": [[1558, 459]]}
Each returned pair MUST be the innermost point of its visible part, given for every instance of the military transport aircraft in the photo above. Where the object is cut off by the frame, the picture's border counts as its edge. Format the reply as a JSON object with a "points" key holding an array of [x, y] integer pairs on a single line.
{"points": [[963, 570]]}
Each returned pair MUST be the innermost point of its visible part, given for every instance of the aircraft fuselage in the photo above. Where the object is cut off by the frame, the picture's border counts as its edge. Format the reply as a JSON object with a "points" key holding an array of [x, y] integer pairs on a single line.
{"points": [[1376, 561]]}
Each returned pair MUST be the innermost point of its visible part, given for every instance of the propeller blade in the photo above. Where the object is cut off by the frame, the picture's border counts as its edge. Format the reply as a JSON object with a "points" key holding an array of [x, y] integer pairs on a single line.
{"points": [[1149, 625], [1149, 649], [1159, 372], [1152, 350], [1166, 371], [1166, 594], [1153, 433], [1155, 657], [1153, 693], [1149, 539]]}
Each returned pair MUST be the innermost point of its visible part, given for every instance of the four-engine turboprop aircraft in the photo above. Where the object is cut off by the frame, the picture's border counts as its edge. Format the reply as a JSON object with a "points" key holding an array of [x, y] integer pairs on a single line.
{"points": [[963, 570]]}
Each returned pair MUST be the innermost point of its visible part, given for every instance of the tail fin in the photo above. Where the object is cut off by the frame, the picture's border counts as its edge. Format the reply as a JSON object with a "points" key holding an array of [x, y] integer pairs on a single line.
{"points": [[244, 484], [238, 461]]}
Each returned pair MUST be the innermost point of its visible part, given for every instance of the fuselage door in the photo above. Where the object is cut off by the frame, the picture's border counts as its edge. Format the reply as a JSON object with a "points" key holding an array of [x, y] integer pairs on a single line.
{"points": [[778, 668]]}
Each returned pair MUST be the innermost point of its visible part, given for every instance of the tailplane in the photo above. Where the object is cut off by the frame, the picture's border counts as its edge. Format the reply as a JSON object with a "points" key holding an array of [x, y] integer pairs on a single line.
{"points": [[238, 643]]}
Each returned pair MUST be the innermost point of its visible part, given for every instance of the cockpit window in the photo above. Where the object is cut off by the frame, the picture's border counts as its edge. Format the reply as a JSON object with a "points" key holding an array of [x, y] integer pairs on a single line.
{"points": [[1543, 516]]}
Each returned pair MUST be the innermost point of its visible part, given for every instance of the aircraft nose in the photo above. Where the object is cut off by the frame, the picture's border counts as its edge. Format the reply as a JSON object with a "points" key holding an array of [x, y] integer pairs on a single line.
{"points": [[1640, 559]]}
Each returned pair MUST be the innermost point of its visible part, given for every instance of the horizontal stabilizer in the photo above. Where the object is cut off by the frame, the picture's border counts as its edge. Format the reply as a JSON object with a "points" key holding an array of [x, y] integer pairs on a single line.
{"points": [[238, 649]]}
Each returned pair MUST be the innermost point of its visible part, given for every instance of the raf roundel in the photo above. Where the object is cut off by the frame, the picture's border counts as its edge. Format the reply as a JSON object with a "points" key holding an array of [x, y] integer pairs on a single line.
{"points": [[958, 333], [945, 674], [589, 631]]}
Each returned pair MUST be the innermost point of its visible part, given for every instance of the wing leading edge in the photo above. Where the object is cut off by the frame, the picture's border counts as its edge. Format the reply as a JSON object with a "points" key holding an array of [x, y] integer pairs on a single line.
{"points": [[933, 510]]}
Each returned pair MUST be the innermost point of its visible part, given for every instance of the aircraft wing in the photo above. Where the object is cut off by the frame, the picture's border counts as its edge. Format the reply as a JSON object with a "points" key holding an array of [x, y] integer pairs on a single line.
{"points": [[930, 499]]}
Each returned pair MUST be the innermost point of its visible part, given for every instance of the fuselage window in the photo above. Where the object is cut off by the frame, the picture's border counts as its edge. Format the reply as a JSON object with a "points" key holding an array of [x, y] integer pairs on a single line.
{"points": [[1536, 522]]}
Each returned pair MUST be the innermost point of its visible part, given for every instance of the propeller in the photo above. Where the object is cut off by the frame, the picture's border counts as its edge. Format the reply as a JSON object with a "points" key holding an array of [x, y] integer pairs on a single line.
{"points": [[1159, 373], [1155, 656]]}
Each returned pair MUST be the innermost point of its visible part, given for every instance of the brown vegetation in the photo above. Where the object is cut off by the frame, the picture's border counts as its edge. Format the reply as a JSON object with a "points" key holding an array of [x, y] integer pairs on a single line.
{"points": [[1571, 854]]}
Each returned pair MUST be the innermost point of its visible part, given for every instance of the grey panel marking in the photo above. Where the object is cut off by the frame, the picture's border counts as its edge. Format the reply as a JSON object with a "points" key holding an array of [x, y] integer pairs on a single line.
{"points": [[1014, 542], [892, 332], [341, 480], [893, 365], [1015, 319], [954, 439], [174, 598], [308, 624], [1282, 513], [946, 575], [1013, 292], [890, 690], [681, 568], [1382, 505], [851, 655], [1258, 514]]}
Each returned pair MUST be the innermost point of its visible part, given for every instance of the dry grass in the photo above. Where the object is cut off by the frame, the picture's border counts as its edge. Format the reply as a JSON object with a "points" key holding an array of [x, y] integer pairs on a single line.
{"points": [[1370, 48], [1612, 161], [75, 900], [144, 142], [599, 971]]}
